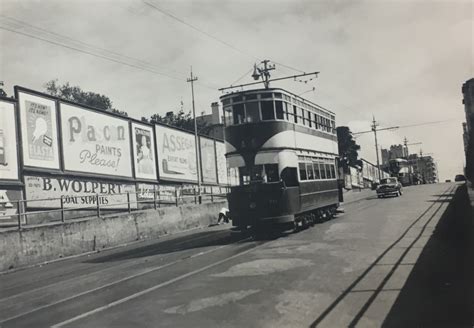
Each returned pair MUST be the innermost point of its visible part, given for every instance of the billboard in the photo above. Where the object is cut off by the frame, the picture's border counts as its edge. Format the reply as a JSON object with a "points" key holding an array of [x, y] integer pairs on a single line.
{"points": [[8, 142], [221, 163], [94, 142], [208, 160], [143, 143], [8, 204], [176, 154], [78, 193], [38, 131]]}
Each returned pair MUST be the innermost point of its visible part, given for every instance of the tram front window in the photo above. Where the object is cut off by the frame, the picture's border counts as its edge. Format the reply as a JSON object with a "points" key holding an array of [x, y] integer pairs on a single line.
{"points": [[238, 113], [259, 174], [252, 113]]}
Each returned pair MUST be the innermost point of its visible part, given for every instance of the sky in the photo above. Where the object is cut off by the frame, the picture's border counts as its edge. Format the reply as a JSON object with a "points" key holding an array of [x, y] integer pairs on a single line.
{"points": [[400, 61]]}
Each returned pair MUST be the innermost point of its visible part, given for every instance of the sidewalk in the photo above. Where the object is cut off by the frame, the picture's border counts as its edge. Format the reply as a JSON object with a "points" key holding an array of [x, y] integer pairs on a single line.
{"points": [[439, 291], [354, 195]]}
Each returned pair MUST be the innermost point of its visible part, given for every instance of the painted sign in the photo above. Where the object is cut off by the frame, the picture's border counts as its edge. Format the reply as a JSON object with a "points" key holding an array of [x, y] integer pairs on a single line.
{"points": [[77, 193], [167, 193], [94, 142], [176, 154], [208, 160], [8, 142], [144, 151], [8, 206], [38, 131], [221, 164], [145, 192]]}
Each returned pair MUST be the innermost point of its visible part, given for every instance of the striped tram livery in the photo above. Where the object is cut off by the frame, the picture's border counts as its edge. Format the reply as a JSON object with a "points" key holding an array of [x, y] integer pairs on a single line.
{"points": [[282, 151]]}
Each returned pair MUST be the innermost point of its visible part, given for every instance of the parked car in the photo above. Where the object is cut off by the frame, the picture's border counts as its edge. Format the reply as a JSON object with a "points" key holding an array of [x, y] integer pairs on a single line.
{"points": [[459, 177], [389, 186]]}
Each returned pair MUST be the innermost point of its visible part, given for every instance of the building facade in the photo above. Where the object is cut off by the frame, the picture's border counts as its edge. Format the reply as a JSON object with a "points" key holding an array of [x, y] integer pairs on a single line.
{"points": [[468, 126]]}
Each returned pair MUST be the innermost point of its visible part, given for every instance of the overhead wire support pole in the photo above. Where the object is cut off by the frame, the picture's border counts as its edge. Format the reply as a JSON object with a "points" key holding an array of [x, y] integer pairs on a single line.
{"points": [[192, 79], [374, 129]]}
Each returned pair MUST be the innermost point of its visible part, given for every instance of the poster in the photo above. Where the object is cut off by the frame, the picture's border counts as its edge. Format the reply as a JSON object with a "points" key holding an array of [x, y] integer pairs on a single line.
{"points": [[208, 160], [176, 154], [8, 142], [221, 164], [143, 143], [9, 204], [78, 193], [38, 131], [94, 142]]}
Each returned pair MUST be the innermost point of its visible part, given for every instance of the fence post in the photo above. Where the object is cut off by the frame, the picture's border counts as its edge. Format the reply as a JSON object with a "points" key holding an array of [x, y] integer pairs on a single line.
{"points": [[128, 202], [176, 197], [98, 205], [154, 198], [195, 198], [212, 197], [19, 215], [62, 208]]}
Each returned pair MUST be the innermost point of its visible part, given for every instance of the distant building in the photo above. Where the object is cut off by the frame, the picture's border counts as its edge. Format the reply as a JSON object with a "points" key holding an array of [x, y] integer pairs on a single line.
{"points": [[214, 122], [427, 169], [468, 101], [395, 151]]}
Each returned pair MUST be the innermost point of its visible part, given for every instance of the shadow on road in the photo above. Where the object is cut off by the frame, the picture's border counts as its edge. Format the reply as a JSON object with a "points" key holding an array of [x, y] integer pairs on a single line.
{"points": [[192, 241], [439, 291]]}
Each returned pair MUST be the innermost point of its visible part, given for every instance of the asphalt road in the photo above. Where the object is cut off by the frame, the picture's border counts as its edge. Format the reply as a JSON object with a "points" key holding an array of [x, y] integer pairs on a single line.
{"points": [[349, 271]]}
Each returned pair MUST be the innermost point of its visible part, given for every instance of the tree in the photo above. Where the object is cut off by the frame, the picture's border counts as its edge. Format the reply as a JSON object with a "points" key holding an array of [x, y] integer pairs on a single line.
{"points": [[181, 120], [2, 92], [76, 94], [348, 148]]}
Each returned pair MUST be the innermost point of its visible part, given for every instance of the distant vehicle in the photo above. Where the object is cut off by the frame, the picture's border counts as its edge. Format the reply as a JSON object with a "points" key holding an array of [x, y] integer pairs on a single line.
{"points": [[389, 186], [448, 180], [400, 169], [459, 177]]}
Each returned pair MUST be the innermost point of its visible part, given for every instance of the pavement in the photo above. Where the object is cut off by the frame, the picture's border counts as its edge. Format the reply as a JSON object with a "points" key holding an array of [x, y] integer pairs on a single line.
{"points": [[355, 195], [395, 262]]}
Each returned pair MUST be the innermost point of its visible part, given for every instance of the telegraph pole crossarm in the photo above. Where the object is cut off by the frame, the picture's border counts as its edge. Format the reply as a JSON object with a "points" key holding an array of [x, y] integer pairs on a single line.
{"points": [[272, 80]]}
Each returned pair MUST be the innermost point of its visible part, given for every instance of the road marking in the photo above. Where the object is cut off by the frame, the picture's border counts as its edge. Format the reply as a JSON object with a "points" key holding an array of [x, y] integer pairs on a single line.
{"points": [[149, 290], [112, 267], [117, 282]]}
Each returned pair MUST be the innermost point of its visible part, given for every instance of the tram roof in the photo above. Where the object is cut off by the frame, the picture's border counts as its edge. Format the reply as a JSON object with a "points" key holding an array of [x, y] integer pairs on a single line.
{"points": [[233, 94]]}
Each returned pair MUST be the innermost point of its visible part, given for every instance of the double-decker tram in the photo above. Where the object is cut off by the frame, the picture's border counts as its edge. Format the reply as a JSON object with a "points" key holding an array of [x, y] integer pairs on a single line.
{"points": [[283, 150]]}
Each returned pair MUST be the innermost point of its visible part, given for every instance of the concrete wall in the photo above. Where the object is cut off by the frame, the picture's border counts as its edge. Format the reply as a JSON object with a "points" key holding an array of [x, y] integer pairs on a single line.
{"points": [[33, 245]]}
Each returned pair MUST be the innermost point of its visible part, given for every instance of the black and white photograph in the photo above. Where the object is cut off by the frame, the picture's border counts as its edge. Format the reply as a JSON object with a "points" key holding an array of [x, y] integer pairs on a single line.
{"points": [[237, 163]]}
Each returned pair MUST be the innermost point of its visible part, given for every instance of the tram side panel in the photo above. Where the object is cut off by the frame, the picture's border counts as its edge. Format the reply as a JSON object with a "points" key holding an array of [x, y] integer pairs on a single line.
{"points": [[318, 194], [269, 203]]}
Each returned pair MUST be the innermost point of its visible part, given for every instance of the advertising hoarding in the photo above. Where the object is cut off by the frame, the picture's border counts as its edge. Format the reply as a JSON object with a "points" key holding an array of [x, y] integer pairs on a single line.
{"points": [[38, 131], [143, 143], [176, 154], [78, 193], [95, 142], [8, 142], [208, 160], [8, 206], [221, 163]]}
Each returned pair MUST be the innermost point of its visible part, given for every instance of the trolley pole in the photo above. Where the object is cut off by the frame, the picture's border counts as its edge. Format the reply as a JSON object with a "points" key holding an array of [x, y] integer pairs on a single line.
{"points": [[198, 166]]}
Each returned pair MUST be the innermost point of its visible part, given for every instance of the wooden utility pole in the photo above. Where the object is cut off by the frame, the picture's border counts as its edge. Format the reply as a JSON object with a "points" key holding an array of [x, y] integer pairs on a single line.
{"points": [[198, 166]]}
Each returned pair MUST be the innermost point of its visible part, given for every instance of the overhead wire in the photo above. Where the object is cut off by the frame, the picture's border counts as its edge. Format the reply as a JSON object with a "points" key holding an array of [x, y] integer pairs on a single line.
{"points": [[88, 45]]}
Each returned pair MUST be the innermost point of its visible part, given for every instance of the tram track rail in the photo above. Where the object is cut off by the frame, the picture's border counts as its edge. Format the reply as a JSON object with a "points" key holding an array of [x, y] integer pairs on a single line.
{"points": [[4, 322]]}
